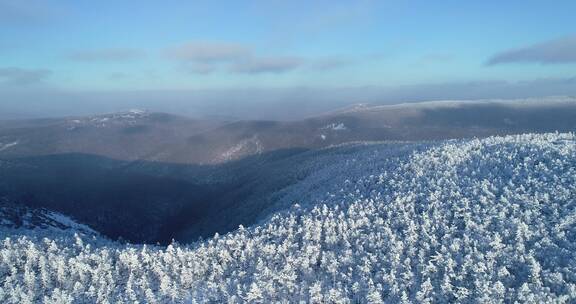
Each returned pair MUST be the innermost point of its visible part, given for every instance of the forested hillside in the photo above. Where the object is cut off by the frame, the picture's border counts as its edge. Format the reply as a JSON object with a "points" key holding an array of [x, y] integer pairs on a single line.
{"points": [[469, 221]]}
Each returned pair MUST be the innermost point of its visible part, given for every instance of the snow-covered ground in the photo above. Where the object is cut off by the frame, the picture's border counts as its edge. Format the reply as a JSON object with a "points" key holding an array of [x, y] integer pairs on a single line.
{"points": [[8, 145], [248, 146], [472, 221], [520, 102], [332, 127], [335, 127], [15, 219], [129, 117]]}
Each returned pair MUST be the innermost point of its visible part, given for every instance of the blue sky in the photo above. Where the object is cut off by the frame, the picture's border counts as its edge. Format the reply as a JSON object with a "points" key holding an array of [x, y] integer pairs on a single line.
{"points": [[103, 46]]}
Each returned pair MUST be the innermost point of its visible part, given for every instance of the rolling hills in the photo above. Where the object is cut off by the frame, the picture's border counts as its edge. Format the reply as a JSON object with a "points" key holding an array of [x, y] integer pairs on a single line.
{"points": [[140, 135], [154, 177], [471, 221]]}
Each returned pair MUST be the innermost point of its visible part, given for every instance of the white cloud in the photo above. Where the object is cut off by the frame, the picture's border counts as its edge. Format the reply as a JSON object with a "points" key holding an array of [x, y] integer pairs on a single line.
{"points": [[209, 52], [562, 50], [209, 57], [20, 76], [107, 55], [268, 65]]}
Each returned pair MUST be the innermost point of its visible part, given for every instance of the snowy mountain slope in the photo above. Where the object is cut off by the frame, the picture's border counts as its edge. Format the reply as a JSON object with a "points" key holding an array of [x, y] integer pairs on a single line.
{"points": [[470, 221], [17, 218]]}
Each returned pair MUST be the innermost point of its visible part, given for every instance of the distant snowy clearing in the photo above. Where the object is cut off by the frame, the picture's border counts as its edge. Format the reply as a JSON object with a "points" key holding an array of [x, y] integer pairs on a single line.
{"points": [[469, 221]]}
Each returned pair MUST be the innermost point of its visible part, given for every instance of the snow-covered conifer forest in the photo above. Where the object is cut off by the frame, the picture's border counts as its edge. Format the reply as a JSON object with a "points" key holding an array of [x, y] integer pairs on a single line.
{"points": [[466, 221]]}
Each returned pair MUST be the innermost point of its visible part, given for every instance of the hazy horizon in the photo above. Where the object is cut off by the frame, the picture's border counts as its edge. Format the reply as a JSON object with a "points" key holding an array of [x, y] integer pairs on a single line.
{"points": [[259, 104], [273, 59]]}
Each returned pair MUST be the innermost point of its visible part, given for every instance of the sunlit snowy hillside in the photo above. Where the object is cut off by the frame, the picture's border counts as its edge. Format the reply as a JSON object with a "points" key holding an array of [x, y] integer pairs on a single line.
{"points": [[468, 221]]}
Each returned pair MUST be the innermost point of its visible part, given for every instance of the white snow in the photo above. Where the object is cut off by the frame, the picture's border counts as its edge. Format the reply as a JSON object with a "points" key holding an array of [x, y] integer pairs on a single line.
{"points": [[8, 145], [70, 223], [337, 126], [15, 216], [246, 146], [521, 102], [471, 221], [129, 117], [137, 111]]}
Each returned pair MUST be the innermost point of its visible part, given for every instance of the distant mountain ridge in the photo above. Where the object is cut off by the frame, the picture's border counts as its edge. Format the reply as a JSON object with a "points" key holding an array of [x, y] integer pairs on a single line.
{"points": [[141, 135]]}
